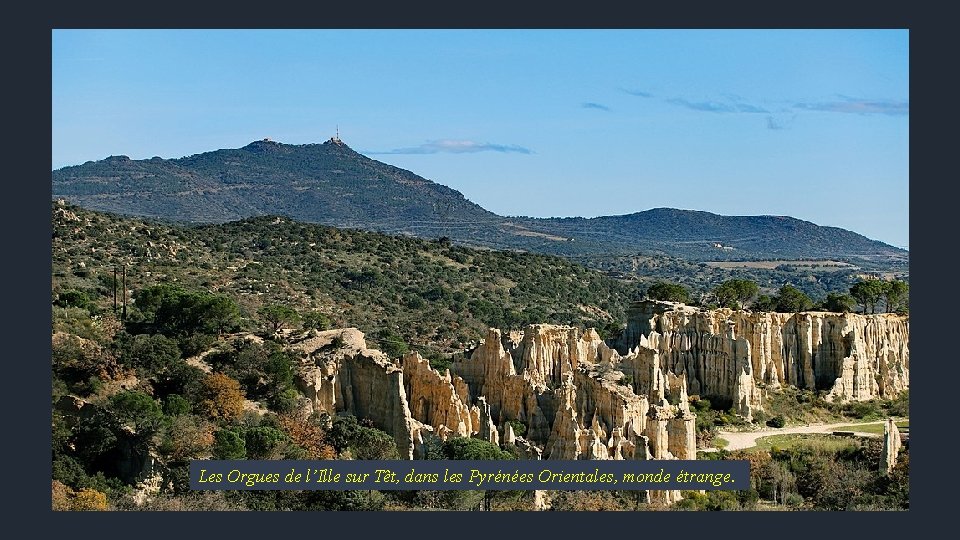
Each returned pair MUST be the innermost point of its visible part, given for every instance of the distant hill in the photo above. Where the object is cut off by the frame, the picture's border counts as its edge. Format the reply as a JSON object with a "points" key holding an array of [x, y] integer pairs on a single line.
{"points": [[332, 184], [705, 236], [325, 183]]}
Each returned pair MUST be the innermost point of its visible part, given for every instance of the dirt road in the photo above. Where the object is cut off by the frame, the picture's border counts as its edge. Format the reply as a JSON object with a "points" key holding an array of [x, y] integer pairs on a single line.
{"points": [[745, 439]]}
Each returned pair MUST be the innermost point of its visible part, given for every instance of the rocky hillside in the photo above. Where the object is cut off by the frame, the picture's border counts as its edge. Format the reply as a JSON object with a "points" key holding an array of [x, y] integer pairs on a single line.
{"points": [[401, 291]]}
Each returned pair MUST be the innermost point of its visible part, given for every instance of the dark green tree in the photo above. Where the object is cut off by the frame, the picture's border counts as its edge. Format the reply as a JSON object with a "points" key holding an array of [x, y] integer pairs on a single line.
{"points": [[228, 444], [278, 315], [316, 320], [838, 303], [177, 312], [669, 292], [364, 442], [265, 442], [894, 293], [176, 405], [150, 355], [792, 300], [765, 302], [868, 292], [137, 410], [222, 314], [736, 293], [470, 449]]}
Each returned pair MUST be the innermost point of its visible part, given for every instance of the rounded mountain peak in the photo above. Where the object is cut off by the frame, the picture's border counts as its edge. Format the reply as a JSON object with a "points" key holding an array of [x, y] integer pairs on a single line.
{"points": [[265, 146], [335, 141]]}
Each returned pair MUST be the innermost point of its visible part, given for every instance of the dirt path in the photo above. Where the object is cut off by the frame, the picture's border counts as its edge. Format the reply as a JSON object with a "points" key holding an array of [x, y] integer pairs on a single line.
{"points": [[746, 439]]}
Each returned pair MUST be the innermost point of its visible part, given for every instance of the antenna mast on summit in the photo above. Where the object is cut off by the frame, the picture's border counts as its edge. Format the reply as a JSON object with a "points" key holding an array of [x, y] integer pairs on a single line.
{"points": [[338, 132]]}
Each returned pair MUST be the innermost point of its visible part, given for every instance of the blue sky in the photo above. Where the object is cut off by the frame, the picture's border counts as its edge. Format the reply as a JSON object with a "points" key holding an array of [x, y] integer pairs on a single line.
{"points": [[807, 123]]}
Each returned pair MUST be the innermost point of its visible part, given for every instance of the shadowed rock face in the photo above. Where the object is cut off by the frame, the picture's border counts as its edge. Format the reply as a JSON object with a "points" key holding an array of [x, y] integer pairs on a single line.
{"points": [[440, 401], [732, 353]]}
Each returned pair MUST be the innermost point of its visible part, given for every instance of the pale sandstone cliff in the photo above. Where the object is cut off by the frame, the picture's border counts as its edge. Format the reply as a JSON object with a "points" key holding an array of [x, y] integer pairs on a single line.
{"points": [[567, 388], [579, 398], [339, 373], [440, 401], [734, 354]]}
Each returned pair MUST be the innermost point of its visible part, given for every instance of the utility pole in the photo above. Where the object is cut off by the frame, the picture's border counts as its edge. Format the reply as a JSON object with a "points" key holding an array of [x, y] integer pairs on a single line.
{"points": [[114, 289], [123, 316]]}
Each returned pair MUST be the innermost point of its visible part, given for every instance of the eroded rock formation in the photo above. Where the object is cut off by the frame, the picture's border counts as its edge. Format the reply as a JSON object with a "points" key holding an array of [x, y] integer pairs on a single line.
{"points": [[556, 392], [440, 401], [734, 354], [340, 374], [574, 396], [571, 392], [891, 446]]}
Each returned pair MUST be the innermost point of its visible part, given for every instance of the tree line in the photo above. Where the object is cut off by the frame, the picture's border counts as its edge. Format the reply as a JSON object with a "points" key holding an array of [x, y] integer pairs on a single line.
{"points": [[868, 295]]}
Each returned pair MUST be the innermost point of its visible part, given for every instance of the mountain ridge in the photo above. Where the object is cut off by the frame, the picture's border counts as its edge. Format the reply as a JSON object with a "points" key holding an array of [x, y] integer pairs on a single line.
{"points": [[332, 184]]}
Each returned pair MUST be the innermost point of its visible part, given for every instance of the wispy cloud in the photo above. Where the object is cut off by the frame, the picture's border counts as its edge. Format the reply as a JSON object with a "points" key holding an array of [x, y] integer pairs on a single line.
{"points": [[456, 147], [859, 106], [592, 105], [730, 106], [638, 93]]}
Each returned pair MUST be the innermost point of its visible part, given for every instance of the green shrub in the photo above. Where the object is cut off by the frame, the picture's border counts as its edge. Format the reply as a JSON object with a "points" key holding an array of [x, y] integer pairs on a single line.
{"points": [[793, 499], [150, 355], [228, 444], [439, 361], [777, 421], [316, 320], [519, 428], [364, 442], [471, 449], [264, 442], [77, 299], [702, 405], [285, 401], [176, 405], [900, 406]]}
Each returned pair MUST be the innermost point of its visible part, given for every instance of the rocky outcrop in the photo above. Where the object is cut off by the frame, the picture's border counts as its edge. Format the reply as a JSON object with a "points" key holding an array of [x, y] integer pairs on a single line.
{"points": [[339, 373], [490, 372], [440, 401], [541, 500], [891, 446], [580, 399], [734, 354], [488, 430], [574, 396], [556, 392]]}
